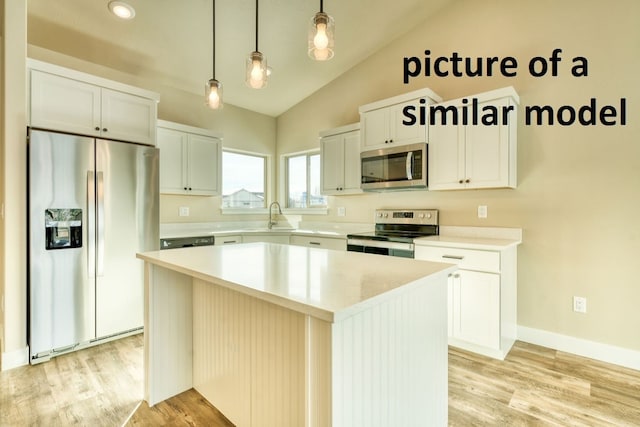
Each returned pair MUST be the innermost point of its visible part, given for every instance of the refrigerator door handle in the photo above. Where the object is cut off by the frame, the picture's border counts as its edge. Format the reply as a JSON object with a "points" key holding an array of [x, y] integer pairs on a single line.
{"points": [[91, 225], [100, 225]]}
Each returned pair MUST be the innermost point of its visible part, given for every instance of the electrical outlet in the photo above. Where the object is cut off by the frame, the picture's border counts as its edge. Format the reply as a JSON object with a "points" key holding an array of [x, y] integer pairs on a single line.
{"points": [[184, 211], [580, 304], [482, 211], [342, 211]]}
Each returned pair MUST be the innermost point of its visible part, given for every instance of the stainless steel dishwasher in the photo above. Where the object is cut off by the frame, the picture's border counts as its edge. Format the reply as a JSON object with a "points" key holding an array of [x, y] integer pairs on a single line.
{"points": [[186, 242]]}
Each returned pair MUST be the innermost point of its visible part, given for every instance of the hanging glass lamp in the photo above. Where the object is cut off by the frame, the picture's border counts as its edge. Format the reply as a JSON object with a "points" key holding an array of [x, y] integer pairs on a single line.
{"points": [[256, 65], [321, 36], [213, 88]]}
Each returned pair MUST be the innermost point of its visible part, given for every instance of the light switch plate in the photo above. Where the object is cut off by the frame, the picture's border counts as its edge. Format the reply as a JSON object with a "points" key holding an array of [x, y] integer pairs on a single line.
{"points": [[342, 211], [482, 211], [184, 211]]}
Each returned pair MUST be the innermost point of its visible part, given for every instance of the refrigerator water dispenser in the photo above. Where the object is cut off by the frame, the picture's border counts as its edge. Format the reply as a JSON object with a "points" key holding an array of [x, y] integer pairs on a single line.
{"points": [[63, 228]]}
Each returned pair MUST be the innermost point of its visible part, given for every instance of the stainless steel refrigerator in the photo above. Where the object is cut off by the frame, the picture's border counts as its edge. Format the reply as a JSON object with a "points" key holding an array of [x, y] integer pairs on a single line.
{"points": [[93, 204]]}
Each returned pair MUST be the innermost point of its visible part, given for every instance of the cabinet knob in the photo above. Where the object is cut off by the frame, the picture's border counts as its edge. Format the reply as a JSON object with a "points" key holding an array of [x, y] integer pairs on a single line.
{"points": [[97, 127], [104, 129], [189, 188], [390, 141], [185, 188], [460, 182], [467, 180]]}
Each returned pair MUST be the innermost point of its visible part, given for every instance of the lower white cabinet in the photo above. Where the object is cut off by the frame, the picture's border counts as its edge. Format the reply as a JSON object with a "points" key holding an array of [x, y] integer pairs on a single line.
{"points": [[267, 238], [476, 307], [319, 242], [482, 297], [228, 240]]}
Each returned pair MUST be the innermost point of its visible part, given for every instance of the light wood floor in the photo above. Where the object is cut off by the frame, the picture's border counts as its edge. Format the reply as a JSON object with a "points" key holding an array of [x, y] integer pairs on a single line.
{"points": [[102, 386]]}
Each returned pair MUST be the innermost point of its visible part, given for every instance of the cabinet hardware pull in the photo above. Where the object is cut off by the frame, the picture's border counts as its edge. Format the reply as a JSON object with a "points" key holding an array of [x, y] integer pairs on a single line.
{"points": [[459, 257], [467, 180], [456, 276], [460, 182], [229, 241], [315, 243], [104, 129], [97, 127]]}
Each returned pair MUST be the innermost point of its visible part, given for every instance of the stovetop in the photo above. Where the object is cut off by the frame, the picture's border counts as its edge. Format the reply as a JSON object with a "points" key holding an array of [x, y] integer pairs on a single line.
{"points": [[402, 226]]}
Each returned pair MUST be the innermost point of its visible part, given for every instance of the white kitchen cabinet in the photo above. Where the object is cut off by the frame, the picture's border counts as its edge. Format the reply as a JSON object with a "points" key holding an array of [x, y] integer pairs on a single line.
{"points": [[481, 297], [319, 242], [69, 101], [475, 156], [228, 240], [381, 122], [340, 159], [266, 238], [190, 160]]}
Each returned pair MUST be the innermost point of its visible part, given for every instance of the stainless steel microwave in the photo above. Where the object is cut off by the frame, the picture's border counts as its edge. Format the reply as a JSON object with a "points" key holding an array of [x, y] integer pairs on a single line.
{"points": [[395, 168]]}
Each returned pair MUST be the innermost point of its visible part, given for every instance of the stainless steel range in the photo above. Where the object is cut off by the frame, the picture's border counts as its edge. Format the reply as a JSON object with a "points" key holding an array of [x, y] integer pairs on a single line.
{"points": [[395, 231]]}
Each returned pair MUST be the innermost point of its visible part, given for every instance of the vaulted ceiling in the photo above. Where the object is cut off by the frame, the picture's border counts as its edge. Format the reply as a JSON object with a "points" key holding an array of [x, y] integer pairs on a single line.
{"points": [[170, 41]]}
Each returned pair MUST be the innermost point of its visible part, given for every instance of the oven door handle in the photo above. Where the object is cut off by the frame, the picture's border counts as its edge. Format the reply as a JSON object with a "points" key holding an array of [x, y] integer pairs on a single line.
{"points": [[409, 166], [381, 244]]}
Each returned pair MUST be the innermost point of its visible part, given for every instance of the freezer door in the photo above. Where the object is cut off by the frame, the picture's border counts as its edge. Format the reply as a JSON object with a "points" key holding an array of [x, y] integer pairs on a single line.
{"points": [[61, 283], [128, 222]]}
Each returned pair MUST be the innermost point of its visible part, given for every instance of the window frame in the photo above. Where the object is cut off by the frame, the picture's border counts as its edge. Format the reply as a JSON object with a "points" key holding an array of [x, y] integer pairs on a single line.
{"points": [[267, 183], [284, 184]]}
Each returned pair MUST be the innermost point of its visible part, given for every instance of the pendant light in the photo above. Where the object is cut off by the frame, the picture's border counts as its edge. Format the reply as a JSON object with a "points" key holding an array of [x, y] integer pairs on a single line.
{"points": [[321, 39], [256, 64], [213, 89]]}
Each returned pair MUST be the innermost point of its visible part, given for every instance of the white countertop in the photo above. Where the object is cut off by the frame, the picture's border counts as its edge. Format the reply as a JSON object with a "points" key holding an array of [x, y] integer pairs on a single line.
{"points": [[481, 243], [336, 230], [483, 238], [330, 285]]}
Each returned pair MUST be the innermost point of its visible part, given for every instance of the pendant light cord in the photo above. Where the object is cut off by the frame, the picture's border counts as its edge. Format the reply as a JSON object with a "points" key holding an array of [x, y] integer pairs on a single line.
{"points": [[213, 38], [256, 25], [321, 8]]}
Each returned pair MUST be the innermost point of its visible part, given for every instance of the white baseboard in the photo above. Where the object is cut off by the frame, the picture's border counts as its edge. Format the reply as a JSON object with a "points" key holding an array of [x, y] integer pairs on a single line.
{"points": [[15, 358], [591, 349]]}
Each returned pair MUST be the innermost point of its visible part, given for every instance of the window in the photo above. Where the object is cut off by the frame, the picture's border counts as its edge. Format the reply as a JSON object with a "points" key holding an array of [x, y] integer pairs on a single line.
{"points": [[243, 180], [303, 181]]}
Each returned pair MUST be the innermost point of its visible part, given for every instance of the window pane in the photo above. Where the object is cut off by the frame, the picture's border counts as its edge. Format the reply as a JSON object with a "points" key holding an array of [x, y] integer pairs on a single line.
{"points": [[315, 198], [297, 182], [243, 180]]}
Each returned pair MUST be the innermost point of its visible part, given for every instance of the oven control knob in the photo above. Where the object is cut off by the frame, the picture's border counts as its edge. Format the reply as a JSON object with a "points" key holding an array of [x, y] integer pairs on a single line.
{"points": [[428, 216], [386, 215], [379, 215]]}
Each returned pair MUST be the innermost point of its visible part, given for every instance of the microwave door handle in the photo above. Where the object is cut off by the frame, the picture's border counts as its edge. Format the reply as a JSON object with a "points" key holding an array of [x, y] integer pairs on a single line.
{"points": [[409, 165]]}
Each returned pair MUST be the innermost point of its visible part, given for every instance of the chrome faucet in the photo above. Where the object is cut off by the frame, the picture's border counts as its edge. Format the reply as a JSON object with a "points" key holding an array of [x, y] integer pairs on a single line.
{"points": [[271, 221]]}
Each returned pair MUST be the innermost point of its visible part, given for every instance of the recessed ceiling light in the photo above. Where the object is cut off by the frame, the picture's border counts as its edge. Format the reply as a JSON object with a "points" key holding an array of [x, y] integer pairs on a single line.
{"points": [[122, 10]]}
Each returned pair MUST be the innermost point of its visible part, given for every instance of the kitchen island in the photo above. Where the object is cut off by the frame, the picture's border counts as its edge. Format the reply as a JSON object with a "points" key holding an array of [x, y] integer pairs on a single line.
{"points": [[286, 335]]}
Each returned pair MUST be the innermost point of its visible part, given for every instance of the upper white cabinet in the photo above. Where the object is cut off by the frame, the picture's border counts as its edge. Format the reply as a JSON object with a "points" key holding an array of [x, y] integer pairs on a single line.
{"points": [[475, 156], [381, 122], [340, 158], [190, 160], [69, 101]]}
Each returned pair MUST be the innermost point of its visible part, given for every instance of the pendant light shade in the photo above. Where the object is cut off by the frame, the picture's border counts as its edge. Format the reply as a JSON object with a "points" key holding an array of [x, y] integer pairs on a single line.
{"points": [[213, 94], [256, 70], [256, 75], [213, 88], [321, 36]]}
